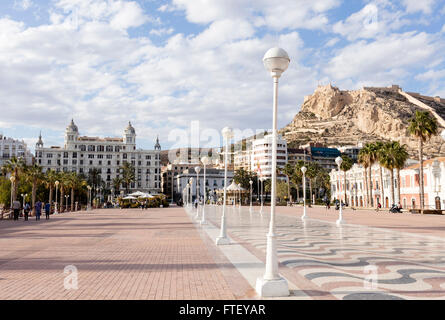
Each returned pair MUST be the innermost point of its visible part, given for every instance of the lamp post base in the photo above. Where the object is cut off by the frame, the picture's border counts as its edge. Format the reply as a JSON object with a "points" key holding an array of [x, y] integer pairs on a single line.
{"points": [[272, 288], [340, 222], [222, 241]]}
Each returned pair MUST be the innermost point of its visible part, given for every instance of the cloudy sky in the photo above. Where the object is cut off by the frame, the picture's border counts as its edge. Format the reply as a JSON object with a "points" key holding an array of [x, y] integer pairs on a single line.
{"points": [[163, 64]]}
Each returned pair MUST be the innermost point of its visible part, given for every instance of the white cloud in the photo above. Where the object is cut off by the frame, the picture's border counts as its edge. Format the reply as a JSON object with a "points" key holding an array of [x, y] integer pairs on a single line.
{"points": [[23, 4], [162, 31], [289, 14], [425, 6], [386, 59], [372, 21]]}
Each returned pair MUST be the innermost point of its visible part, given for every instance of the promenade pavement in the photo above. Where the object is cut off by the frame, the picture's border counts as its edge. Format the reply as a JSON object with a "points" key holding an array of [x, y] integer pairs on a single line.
{"points": [[355, 261], [118, 254], [167, 254]]}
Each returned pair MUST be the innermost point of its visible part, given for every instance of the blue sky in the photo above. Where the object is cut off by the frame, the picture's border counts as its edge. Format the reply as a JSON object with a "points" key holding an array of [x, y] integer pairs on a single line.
{"points": [[163, 64]]}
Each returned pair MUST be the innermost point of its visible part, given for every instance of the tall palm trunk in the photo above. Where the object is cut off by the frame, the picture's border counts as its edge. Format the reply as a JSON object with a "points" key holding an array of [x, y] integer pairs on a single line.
{"points": [[368, 203], [398, 186], [72, 199], [33, 195], [298, 192], [381, 185], [288, 189], [310, 190], [51, 194], [391, 172], [62, 195], [370, 186], [421, 192]]}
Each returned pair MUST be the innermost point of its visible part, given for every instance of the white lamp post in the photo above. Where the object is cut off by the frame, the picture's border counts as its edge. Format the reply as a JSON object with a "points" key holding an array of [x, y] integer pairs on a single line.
{"points": [[197, 170], [89, 198], [187, 193], [55, 204], [205, 161], [191, 192], [23, 201], [262, 197], [250, 182], [66, 201], [222, 239], [304, 169], [272, 284], [340, 220], [12, 179], [239, 186]]}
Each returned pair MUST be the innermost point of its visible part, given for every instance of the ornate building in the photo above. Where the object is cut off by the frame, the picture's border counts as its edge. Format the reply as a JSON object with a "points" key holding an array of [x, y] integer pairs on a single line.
{"points": [[81, 154]]}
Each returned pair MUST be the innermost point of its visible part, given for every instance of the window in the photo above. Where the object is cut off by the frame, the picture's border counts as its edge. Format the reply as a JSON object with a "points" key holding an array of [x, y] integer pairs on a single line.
{"points": [[100, 162], [65, 154], [91, 162], [74, 162], [118, 162], [91, 156], [109, 156], [83, 148], [74, 154], [49, 161], [81, 162], [124, 156], [100, 156], [49, 155], [100, 148], [91, 148], [109, 148], [65, 161], [147, 157], [149, 163]]}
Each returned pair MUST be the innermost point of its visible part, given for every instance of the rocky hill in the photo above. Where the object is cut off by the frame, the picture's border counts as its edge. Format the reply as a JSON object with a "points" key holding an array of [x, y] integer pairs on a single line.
{"points": [[337, 117]]}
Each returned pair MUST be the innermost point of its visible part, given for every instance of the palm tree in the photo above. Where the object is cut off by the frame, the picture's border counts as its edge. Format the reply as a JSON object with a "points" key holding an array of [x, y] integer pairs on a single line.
{"points": [[401, 155], [378, 146], [311, 173], [50, 179], [364, 160], [34, 175], [345, 166], [388, 161], [117, 184], [128, 174], [63, 182], [15, 167], [288, 171], [422, 126], [297, 177]]}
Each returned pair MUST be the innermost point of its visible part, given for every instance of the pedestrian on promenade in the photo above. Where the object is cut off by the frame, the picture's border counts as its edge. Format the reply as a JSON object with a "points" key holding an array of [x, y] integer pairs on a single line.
{"points": [[26, 210], [16, 207], [47, 210], [38, 207], [378, 207]]}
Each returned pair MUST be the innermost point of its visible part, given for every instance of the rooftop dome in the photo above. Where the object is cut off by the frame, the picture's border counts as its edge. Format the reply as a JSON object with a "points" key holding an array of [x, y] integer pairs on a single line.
{"points": [[130, 129], [72, 127]]}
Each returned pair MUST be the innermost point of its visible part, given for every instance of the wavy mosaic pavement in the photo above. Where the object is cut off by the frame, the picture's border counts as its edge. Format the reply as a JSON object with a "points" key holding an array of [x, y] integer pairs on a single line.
{"points": [[348, 262]]}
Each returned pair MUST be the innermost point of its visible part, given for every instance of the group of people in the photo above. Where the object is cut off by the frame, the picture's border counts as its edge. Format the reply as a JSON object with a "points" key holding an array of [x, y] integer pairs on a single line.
{"points": [[39, 207]]}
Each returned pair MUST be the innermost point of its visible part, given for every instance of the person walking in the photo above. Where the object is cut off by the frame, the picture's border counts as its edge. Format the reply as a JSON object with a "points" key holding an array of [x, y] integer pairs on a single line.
{"points": [[47, 210], [26, 210], [16, 207], [38, 207]]}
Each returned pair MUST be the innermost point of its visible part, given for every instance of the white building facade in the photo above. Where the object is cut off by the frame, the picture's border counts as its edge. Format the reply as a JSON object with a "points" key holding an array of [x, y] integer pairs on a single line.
{"points": [[10, 148], [261, 155], [81, 154], [214, 181]]}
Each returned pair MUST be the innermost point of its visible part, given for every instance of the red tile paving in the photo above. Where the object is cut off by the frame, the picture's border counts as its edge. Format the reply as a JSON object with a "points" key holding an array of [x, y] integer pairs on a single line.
{"points": [[119, 254]]}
